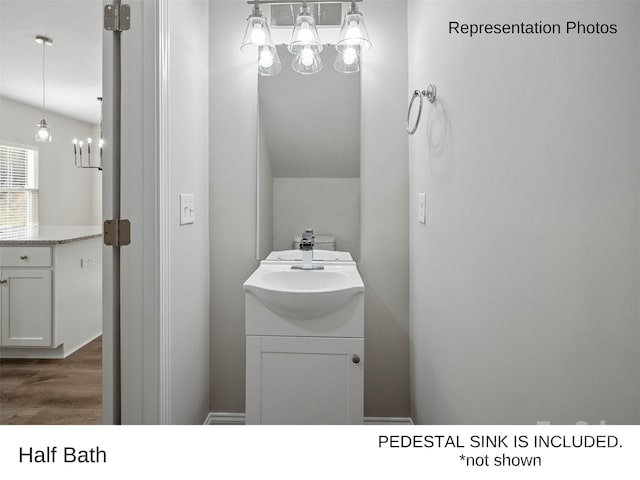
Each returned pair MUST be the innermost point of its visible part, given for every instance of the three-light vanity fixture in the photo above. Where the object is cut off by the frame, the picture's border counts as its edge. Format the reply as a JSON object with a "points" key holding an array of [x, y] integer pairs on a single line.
{"points": [[305, 42], [43, 134]]}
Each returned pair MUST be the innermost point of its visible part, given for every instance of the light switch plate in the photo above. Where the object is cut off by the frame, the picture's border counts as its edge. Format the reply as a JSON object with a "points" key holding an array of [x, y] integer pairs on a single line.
{"points": [[87, 262], [187, 209], [422, 207]]}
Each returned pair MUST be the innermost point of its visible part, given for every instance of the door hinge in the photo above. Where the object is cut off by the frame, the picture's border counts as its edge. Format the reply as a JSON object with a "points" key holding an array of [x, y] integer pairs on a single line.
{"points": [[117, 233], [117, 18]]}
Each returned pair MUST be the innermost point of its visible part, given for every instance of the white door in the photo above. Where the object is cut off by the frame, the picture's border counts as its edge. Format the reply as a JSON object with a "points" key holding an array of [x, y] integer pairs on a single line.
{"points": [[305, 380], [26, 307]]}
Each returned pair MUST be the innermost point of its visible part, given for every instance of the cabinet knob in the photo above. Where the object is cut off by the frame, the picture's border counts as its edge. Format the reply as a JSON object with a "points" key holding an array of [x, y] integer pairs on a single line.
{"points": [[355, 358], [23, 257], [2, 282]]}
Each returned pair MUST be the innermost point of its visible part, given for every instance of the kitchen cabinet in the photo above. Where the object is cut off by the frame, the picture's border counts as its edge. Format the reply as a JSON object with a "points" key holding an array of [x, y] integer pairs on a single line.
{"points": [[26, 307], [50, 291]]}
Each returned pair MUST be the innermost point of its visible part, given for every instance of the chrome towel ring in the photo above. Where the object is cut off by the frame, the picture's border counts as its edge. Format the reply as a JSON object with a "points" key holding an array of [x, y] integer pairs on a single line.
{"points": [[430, 94]]}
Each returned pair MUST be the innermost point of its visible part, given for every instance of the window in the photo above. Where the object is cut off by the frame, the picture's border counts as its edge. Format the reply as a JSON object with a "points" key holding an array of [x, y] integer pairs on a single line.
{"points": [[18, 186]]}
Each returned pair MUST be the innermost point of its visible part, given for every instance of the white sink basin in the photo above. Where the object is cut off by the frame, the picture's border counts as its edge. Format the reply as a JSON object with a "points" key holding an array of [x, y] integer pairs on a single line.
{"points": [[318, 256], [304, 294]]}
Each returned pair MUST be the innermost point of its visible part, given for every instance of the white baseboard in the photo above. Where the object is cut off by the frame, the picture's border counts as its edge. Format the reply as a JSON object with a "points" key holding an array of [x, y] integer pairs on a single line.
{"points": [[84, 343], [219, 418], [387, 421], [58, 353]]}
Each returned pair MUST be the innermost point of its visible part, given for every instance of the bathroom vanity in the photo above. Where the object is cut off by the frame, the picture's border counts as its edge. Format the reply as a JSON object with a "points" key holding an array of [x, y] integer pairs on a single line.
{"points": [[305, 342], [305, 328], [50, 290]]}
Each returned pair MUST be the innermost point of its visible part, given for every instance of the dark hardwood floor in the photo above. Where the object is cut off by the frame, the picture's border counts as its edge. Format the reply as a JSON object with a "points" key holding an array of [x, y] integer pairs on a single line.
{"points": [[53, 392]]}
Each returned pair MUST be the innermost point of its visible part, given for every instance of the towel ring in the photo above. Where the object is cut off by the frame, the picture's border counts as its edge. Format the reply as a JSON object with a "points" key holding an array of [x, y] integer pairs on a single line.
{"points": [[430, 93]]}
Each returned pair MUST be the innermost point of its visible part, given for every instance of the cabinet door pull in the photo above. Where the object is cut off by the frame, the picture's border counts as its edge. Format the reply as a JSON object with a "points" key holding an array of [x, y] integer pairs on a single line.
{"points": [[355, 358], [2, 282], [23, 257]]}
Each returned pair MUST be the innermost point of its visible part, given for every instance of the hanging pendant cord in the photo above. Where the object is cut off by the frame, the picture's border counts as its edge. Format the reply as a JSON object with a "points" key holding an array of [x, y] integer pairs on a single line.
{"points": [[43, 95]]}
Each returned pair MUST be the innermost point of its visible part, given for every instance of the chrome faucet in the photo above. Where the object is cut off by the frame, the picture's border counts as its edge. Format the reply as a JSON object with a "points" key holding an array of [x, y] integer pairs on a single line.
{"points": [[307, 243]]}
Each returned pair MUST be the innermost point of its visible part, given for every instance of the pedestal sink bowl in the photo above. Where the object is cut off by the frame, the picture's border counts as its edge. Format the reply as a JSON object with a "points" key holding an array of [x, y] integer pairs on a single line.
{"points": [[304, 294]]}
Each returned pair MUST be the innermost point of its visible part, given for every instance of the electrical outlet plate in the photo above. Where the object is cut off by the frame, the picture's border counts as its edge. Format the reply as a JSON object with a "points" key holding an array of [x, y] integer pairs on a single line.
{"points": [[422, 207], [187, 209]]}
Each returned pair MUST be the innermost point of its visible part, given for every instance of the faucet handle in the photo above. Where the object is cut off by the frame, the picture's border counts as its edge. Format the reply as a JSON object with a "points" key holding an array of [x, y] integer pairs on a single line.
{"points": [[308, 240]]}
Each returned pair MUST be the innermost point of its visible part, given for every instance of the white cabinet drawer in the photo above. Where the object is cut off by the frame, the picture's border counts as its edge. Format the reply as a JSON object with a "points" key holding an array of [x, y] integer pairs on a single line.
{"points": [[25, 256]]}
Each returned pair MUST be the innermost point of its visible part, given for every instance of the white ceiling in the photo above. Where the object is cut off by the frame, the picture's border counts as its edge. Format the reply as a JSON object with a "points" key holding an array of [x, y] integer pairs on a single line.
{"points": [[73, 63]]}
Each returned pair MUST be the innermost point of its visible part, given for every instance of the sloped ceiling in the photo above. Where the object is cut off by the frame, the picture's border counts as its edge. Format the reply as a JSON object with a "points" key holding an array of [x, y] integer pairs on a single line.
{"points": [[73, 63]]}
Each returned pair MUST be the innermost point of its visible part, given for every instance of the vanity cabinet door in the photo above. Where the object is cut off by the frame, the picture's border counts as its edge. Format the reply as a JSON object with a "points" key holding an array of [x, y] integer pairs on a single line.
{"points": [[305, 380], [26, 307]]}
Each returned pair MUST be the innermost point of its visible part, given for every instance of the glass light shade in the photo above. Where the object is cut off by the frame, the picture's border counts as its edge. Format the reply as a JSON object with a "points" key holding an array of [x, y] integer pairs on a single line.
{"points": [[305, 34], [257, 32], [307, 61], [43, 134], [353, 33], [348, 61], [268, 61]]}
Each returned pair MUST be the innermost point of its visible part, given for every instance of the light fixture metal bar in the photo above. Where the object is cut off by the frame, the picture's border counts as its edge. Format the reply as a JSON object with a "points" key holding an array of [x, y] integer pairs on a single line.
{"points": [[296, 2]]}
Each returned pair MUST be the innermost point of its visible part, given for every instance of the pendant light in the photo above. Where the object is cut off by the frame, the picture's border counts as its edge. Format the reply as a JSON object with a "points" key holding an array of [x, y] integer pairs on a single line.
{"points": [[258, 34], [77, 147], [305, 43], [305, 33], [43, 134], [348, 61], [307, 62], [268, 61], [353, 32]]}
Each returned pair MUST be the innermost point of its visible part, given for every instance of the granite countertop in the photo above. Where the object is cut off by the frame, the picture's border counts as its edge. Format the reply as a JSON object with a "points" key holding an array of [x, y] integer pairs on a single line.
{"points": [[47, 234]]}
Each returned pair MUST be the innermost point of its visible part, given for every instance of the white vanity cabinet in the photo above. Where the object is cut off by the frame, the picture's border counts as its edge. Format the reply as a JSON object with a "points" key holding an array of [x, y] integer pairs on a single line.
{"points": [[305, 345], [305, 380], [50, 294]]}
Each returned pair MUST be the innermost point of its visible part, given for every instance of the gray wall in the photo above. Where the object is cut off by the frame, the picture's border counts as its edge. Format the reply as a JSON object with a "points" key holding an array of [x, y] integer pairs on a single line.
{"points": [[189, 149], [311, 122], [384, 180], [384, 216], [525, 279], [265, 198], [68, 195], [329, 205], [232, 147], [311, 127]]}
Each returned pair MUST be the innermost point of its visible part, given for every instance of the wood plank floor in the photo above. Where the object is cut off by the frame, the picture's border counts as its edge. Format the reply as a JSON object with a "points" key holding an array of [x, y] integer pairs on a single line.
{"points": [[53, 392]]}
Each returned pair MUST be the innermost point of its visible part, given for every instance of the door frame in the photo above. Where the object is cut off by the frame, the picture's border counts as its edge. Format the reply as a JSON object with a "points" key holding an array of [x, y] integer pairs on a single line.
{"points": [[136, 315]]}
